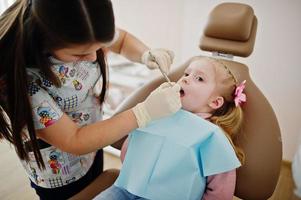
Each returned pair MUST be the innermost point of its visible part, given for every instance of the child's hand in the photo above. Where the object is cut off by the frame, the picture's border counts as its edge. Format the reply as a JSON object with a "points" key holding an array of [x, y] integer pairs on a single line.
{"points": [[163, 57], [163, 101]]}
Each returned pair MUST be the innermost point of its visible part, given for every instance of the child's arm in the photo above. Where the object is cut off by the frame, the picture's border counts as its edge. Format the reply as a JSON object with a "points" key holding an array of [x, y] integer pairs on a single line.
{"points": [[69, 137], [220, 186]]}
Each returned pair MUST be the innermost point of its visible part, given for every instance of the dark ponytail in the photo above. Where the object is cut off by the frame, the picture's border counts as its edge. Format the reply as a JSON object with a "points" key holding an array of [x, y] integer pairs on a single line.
{"points": [[13, 70], [29, 32]]}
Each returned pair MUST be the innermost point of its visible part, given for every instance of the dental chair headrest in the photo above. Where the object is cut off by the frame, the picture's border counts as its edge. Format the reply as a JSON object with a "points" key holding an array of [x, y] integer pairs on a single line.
{"points": [[231, 29]]}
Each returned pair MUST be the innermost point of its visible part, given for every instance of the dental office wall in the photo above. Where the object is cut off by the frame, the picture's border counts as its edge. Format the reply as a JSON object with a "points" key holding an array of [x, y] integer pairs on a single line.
{"points": [[4, 4], [275, 64]]}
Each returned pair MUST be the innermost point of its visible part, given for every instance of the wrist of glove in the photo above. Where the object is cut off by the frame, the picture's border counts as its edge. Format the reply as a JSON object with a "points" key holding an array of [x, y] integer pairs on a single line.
{"points": [[163, 101], [163, 57]]}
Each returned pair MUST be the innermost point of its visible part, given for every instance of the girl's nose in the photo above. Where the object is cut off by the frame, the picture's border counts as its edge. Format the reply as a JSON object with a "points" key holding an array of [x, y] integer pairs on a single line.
{"points": [[185, 79]]}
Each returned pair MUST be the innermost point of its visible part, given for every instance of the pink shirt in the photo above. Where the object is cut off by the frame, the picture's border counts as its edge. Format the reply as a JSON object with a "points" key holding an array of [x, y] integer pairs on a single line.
{"points": [[218, 187]]}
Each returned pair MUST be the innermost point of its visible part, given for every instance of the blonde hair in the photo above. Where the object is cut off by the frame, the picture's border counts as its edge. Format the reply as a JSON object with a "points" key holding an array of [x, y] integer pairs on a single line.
{"points": [[228, 117]]}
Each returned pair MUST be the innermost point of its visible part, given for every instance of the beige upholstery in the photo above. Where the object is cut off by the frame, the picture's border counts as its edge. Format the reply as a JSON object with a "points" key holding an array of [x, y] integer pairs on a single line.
{"points": [[231, 29]]}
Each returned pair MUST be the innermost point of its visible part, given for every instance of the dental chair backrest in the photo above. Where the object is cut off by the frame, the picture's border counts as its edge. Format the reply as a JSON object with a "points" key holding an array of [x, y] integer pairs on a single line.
{"points": [[231, 31]]}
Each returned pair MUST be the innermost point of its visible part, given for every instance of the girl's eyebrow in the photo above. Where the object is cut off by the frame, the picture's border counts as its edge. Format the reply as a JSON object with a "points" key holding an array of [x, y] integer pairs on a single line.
{"points": [[200, 72]]}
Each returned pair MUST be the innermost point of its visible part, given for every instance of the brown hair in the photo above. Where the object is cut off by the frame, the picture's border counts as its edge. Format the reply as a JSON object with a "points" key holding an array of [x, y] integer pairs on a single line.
{"points": [[29, 31]]}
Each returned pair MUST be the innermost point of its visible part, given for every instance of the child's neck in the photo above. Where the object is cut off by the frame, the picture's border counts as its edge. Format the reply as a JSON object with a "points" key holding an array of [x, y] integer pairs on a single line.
{"points": [[204, 115]]}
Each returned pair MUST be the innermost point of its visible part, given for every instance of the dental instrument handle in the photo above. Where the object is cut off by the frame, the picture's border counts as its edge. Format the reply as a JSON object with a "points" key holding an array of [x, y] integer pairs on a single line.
{"points": [[162, 72]]}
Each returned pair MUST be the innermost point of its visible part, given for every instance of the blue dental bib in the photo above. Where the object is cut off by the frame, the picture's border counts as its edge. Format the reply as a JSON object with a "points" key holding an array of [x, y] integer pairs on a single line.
{"points": [[171, 158]]}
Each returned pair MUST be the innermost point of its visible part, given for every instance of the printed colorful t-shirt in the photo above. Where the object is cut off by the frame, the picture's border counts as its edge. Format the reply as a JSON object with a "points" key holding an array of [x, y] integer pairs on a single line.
{"points": [[75, 98]]}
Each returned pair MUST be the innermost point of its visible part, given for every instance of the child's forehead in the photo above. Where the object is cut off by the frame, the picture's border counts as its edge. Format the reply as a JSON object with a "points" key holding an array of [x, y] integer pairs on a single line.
{"points": [[200, 65]]}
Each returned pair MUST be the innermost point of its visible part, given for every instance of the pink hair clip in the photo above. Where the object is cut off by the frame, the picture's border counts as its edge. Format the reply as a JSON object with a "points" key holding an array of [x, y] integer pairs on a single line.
{"points": [[239, 96]]}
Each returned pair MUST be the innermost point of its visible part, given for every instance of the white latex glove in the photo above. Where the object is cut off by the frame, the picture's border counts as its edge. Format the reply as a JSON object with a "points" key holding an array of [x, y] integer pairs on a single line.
{"points": [[163, 57], [163, 101]]}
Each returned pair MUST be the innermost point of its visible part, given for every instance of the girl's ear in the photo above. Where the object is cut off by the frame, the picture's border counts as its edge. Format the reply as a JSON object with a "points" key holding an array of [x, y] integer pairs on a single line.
{"points": [[217, 102]]}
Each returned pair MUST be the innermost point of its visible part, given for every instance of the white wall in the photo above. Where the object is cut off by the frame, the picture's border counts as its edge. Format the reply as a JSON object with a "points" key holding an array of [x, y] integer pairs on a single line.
{"points": [[275, 65], [4, 4]]}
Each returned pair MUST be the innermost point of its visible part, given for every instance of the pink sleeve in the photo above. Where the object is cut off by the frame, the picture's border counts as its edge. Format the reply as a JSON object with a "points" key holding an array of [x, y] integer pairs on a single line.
{"points": [[124, 148], [220, 186]]}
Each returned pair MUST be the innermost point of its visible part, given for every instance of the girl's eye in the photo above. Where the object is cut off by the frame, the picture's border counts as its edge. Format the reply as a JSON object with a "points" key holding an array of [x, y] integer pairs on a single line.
{"points": [[186, 74], [199, 78]]}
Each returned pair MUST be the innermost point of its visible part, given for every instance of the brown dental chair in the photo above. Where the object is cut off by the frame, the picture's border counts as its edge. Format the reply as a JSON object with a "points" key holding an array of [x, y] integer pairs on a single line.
{"points": [[231, 31]]}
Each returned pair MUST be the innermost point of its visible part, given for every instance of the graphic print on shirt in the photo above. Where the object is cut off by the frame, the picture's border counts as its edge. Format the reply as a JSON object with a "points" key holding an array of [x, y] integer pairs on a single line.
{"points": [[72, 73], [77, 85], [70, 102], [55, 159], [55, 182], [46, 82], [33, 88], [63, 73], [35, 176], [46, 114], [79, 117], [58, 100], [82, 73]]}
